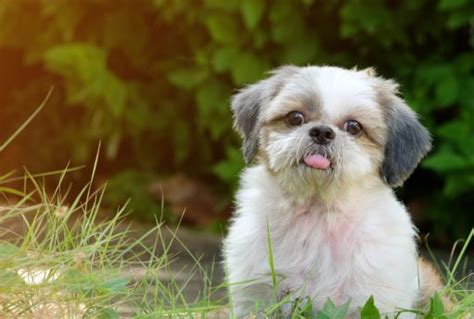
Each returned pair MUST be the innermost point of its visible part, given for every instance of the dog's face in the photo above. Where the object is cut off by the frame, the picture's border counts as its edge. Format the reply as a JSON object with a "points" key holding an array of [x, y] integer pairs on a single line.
{"points": [[314, 126]]}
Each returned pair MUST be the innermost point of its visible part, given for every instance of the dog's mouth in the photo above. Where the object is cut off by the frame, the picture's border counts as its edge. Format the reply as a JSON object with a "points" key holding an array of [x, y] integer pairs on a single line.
{"points": [[317, 161]]}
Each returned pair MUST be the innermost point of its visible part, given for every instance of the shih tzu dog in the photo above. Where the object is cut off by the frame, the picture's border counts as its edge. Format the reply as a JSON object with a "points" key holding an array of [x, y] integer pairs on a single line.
{"points": [[328, 145]]}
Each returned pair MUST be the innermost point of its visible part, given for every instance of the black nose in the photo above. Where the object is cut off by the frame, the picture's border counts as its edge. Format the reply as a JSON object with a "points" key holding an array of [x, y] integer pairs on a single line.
{"points": [[322, 134]]}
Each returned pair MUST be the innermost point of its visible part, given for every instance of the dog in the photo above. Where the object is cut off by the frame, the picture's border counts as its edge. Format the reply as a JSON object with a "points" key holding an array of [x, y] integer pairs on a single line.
{"points": [[316, 216]]}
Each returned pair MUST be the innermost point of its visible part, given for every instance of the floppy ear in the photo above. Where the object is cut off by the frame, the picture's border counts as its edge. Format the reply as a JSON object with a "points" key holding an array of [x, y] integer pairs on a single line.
{"points": [[246, 106], [407, 140]]}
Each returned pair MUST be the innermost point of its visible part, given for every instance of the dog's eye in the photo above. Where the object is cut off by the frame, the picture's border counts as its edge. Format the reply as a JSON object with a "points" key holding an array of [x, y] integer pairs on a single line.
{"points": [[295, 118], [352, 127]]}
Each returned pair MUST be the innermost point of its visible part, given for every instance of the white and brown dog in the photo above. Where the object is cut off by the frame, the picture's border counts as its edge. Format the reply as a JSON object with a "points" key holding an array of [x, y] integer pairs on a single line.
{"points": [[328, 145]]}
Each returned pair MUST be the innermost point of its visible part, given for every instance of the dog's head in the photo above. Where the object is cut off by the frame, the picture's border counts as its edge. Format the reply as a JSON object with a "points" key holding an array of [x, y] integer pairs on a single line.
{"points": [[318, 125]]}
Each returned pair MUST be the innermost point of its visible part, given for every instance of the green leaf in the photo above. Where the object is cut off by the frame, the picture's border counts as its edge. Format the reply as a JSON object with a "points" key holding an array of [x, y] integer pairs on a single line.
{"points": [[302, 307], [287, 24], [248, 68], [447, 89], [458, 133], [224, 58], [206, 99], [88, 79], [228, 170], [252, 11], [302, 51], [454, 130], [79, 61], [445, 160], [451, 4], [212, 100], [331, 311], [436, 310], [369, 311], [307, 310], [187, 78], [362, 19], [465, 95], [456, 185], [228, 5], [459, 18], [429, 74], [223, 29], [115, 94], [443, 79]]}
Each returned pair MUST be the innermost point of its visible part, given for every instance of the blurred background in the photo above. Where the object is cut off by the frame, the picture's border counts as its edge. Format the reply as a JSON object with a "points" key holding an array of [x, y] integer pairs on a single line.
{"points": [[151, 80]]}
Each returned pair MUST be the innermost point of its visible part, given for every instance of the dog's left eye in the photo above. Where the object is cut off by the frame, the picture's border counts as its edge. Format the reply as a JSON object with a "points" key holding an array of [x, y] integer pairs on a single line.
{"points": [[295, 118], [352, 127]]}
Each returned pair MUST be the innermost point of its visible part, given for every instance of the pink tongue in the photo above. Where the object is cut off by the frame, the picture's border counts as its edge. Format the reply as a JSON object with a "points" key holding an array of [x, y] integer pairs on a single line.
{"points": [[317, 161]]}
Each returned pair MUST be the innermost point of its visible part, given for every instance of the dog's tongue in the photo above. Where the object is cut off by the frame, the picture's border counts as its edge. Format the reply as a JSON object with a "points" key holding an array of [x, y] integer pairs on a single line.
{"points": [[317, 161]]}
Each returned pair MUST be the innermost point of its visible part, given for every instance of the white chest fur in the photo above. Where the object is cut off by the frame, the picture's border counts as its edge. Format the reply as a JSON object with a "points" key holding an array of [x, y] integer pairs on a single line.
{"points": [[344, 252]]}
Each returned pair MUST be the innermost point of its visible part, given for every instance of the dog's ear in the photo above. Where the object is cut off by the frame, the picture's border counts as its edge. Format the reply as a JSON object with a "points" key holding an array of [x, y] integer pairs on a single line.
{"points": [[407, 140], [247, 103]]}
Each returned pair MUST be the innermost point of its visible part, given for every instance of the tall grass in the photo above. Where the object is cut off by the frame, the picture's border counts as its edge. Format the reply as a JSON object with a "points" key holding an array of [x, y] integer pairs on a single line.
{"points": [[59, 258]]}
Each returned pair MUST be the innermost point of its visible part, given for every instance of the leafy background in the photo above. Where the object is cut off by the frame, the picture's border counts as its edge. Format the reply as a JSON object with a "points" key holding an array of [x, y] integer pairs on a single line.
{"points": [[152, 79]]}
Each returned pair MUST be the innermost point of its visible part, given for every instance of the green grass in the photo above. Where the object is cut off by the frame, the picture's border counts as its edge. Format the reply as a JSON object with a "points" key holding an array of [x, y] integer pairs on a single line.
{"points": [[60, 258]]}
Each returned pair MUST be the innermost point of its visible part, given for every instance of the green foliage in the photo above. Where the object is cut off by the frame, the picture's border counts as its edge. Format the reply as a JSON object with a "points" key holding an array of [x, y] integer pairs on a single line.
{"points": [[152, 78], [132, 185], [228, 170], [302, 309], [436, 308], [67, 262], [369, 311], [331, 311]]}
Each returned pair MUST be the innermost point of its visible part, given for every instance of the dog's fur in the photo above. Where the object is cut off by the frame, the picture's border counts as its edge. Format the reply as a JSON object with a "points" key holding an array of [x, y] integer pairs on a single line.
{"points": [[336, 233]]}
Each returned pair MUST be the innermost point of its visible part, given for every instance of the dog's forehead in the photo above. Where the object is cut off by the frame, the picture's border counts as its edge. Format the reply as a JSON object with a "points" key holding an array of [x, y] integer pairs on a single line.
{"points": [[340, 90], [334, 91]]}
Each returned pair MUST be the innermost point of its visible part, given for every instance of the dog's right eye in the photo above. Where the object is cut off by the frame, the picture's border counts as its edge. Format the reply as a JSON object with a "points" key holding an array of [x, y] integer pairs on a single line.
{"points": [[295, 118]]}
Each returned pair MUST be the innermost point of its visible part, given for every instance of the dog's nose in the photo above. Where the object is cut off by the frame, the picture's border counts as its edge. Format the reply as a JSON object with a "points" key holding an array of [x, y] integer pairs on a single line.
{"points": [[322, 134]]}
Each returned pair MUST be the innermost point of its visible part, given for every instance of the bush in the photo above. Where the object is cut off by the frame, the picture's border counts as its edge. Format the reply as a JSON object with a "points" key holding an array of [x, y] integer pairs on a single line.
{"points": [[152, 78]]}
